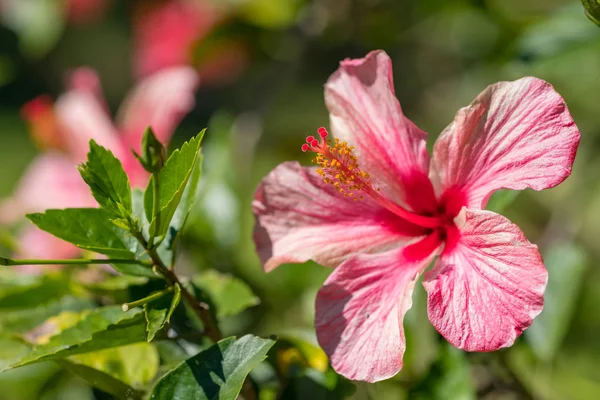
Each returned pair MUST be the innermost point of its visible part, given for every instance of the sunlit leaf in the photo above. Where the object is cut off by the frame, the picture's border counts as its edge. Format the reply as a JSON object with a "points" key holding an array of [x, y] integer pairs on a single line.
{"points": [[26, 302], [134, 364], [566, 264], [229, 294], [216, 373], [173, 179], [91, 229], [104, 174], [97, 329], [11, 350]]}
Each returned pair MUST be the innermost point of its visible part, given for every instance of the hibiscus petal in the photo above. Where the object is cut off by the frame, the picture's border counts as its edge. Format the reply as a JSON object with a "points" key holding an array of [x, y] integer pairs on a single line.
{"points": [[35, 243], [514, 135], [159, 101], [299, 217], [365, 112], [361, 306], [489, 287], [50, 181], [82, 116]]}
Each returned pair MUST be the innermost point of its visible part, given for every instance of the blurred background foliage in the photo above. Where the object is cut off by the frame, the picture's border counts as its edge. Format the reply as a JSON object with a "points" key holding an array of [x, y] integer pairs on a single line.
{"points": [[258, 113]]}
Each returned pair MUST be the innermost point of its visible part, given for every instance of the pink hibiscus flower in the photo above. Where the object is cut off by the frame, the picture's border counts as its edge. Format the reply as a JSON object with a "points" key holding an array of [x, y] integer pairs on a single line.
{"points": [[65, 129], [380, 216], [168, 35]]}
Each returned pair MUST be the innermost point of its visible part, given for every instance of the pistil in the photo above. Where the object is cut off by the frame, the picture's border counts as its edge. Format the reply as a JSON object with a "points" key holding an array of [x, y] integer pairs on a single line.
{"points": [[338, 166]]}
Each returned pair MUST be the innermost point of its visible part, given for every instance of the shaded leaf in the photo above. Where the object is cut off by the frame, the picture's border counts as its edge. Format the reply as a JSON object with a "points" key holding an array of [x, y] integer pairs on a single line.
{"points": [[448, 378], [102, 380], [32, 292], [91, 229], [97, 329], [566, 264], [306, 369], [501, 199], [229, 294], [104, 174], [557, 382], [215, 373]]}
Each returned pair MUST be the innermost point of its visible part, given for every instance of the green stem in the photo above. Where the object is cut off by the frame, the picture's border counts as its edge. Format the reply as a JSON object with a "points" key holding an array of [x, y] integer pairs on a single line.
{"points": [[211, 329], [154, 296], [155, 206], [77, 261]]}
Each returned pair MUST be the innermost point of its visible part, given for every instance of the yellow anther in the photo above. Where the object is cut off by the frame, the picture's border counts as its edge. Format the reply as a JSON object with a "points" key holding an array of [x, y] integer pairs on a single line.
{"points": [[339, 167]]}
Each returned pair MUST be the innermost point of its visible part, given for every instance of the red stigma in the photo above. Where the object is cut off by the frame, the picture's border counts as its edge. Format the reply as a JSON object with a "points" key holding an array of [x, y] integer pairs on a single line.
{"points": [[314, 143], [305, 147], [310, 139], [322, 132]]}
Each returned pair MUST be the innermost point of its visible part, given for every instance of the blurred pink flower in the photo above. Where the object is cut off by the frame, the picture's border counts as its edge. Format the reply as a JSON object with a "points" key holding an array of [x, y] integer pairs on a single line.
{"points": [[383, 215], [64, 130], [168, 34]]}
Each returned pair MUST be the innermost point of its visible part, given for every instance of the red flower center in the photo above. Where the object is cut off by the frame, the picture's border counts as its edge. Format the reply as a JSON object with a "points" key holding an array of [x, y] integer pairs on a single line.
{"points": [[338, 166]]}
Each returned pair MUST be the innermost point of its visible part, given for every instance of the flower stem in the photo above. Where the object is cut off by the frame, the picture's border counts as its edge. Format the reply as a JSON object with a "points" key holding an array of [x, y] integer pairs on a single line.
{"points": [[154, 296], [201, 309], [76, 261]]}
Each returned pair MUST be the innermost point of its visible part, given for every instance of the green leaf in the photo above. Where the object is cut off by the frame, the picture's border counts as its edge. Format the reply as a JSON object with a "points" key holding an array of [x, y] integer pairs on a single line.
{"points": [[27, 301], [216, 373], [135, 364], [20, 320], [566, 264], [101, 380], [91, 229], [11, 350], [448, 378], [104, 174], [38, 290], [229, 294], [153, 152], [158, 313], [173, 179], [501, 199], [97, 329], [592, 10]]}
